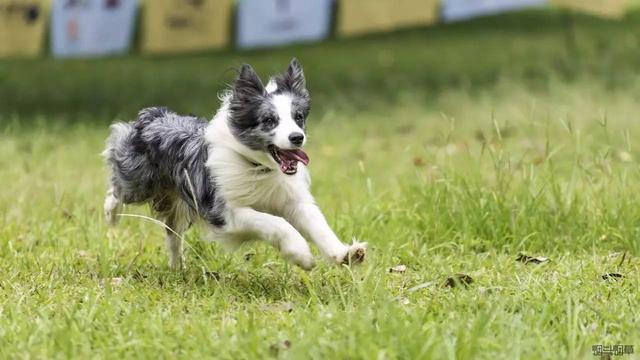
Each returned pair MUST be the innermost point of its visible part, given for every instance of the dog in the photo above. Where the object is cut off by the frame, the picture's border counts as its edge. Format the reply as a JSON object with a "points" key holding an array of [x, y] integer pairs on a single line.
{"points": [[243, 174]]}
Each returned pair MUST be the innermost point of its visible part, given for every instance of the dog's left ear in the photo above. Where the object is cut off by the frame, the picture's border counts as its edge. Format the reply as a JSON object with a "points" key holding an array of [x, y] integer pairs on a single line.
{"points": [[294, 79]]}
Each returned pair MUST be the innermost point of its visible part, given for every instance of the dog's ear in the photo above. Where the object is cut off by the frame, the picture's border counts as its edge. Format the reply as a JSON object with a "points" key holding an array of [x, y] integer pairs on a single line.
{"points": [[293, 79], [248, 84]]}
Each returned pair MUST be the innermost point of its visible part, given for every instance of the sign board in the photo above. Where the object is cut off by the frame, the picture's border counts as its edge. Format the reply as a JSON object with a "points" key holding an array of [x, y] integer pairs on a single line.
{"points": [[278, 22], [22, 27], [454, 10], [606, 8], [356, 17], [172, 26], [92, 27]]}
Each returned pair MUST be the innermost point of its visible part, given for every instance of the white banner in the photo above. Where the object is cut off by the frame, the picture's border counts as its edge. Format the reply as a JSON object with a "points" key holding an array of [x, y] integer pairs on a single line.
{"points": [[453, 10], [278, 22], [92, 27]]}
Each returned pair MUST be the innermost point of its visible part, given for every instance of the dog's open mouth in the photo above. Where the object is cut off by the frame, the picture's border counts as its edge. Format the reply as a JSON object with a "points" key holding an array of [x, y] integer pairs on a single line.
{"points": [[288, 159]]}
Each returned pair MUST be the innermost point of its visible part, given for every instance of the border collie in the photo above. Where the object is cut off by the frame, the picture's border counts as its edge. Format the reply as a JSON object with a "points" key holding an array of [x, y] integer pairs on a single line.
{"points": [[244, 173]]}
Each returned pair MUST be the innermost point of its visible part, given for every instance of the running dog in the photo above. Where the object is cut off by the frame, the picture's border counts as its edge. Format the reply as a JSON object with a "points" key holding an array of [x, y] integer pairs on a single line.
{"points": [[243, 174]]}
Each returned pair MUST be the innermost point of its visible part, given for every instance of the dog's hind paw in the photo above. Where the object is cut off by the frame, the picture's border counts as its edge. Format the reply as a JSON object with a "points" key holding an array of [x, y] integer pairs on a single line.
{"points": [[356, 253], [112, 207]]}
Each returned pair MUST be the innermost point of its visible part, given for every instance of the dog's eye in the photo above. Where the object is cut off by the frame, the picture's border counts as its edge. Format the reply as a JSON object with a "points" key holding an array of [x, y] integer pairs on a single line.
{"points": [[269, 120], [299, 117]]}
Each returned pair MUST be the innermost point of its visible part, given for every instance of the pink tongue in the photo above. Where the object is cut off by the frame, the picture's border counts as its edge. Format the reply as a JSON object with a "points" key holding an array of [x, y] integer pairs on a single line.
{"points": [[294, 155]]}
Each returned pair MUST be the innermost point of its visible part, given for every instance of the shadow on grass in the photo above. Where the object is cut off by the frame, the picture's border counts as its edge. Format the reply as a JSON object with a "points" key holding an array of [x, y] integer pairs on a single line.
{"points": [[273, 285]]}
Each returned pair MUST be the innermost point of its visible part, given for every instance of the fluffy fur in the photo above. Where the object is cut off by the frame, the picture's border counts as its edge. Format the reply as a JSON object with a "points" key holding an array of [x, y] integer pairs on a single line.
{"points": [[243, 173]]}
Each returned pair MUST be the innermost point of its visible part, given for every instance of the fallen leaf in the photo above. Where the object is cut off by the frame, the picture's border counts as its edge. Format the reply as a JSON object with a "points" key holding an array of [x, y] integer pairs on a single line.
{"points": [[419, 162], [84, 254], [538, 160], [531, 259], [398, 269], [612, 276], [458, 279], [67, 214]]}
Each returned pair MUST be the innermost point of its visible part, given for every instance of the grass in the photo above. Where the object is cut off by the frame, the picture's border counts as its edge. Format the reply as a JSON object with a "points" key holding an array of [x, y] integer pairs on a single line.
{"points": [[450, 150]]}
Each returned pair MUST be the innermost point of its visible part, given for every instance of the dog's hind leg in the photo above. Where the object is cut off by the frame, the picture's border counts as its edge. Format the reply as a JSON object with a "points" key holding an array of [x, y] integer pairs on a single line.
{"points": [[174, 247], [112, 207], [177, 218]]}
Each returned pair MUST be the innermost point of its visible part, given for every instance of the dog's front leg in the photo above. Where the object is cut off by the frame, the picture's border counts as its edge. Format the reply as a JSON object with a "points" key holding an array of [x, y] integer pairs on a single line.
{"points": [[276, 231], [308, 218]]}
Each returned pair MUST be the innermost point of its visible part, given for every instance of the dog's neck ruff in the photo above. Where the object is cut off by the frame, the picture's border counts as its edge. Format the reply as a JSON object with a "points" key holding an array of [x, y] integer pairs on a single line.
{"points": [[218, 134], [260, 168]]}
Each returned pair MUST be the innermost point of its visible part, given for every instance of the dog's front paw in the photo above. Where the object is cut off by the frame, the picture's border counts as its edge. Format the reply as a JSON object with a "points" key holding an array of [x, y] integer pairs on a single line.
{"points": [[356, 253], [304, 261], [299, 255]]}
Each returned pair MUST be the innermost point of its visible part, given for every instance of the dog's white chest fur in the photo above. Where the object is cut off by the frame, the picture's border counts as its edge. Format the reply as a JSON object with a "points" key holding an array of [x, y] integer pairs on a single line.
{"points": [[247, 178], [245, 184]]}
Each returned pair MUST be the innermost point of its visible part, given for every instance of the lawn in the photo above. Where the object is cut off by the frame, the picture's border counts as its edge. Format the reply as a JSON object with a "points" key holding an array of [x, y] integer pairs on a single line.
{"points": [[451, 150]]}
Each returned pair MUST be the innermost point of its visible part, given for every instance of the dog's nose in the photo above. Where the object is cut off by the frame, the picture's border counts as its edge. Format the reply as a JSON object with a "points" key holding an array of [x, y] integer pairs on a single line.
{"points": [[296, 138]]}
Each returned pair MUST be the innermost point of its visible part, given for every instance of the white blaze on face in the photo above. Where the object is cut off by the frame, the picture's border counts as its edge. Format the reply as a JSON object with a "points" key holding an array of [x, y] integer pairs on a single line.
{"points": [[286, 125], [271, 86]]}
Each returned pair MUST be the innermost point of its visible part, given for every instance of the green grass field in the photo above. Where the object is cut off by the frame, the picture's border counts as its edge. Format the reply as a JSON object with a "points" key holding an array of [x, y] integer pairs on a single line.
{"points": [[451, 150]]}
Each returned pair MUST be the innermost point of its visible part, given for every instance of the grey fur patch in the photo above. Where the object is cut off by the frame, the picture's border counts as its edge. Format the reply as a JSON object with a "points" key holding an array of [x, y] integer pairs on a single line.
{"points": [[160, 158], [293, 80]]}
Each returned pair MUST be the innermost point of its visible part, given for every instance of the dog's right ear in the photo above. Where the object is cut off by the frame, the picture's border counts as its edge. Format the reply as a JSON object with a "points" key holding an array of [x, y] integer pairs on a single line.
{"points": [[248, 84]]}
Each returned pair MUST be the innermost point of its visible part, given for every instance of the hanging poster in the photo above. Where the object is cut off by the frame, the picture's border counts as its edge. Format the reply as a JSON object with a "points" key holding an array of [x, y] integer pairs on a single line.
{"points": [[276, 22], [92, 27], [605, 8], [22, 27], [357, 17], [173, 26], [454, 10]]}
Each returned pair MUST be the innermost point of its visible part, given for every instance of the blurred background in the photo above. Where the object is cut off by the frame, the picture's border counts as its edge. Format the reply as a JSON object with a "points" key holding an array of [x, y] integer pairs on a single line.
{"points": [[107, 58]]}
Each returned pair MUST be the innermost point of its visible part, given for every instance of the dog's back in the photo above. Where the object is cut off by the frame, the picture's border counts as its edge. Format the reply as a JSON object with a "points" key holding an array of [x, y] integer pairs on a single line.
{"points": [[160, 158]]}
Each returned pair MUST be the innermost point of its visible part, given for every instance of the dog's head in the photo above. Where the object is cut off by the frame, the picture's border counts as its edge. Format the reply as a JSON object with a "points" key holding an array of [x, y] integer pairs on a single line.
{"points": [[272, 118]]}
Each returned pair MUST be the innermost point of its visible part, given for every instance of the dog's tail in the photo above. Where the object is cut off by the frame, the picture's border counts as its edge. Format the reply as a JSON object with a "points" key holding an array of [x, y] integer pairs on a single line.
{"points": [[120, 133], [148, 115], [120, 136], [125, 157]]}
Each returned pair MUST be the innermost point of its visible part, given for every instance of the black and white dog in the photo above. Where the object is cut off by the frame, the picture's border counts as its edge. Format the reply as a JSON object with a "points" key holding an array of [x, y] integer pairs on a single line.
{"points": [[243, 173]]}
